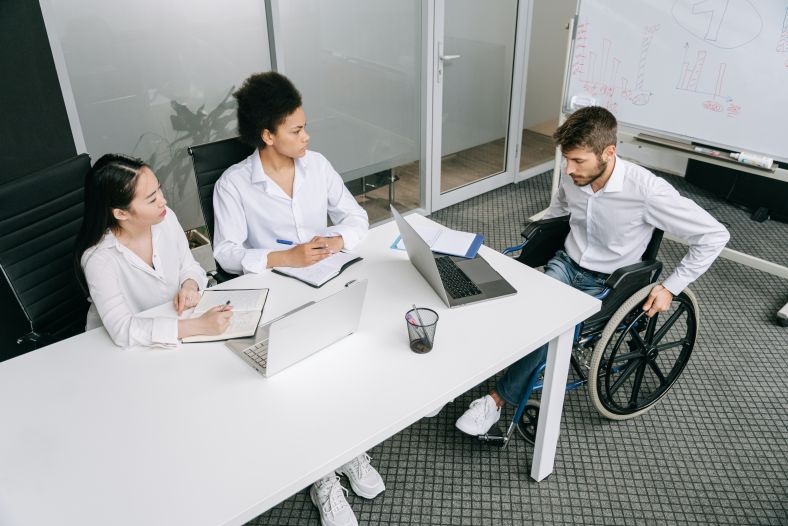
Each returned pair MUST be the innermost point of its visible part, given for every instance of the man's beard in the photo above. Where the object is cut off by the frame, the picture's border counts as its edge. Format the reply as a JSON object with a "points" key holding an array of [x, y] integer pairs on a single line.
{"points": [[602, 165]]}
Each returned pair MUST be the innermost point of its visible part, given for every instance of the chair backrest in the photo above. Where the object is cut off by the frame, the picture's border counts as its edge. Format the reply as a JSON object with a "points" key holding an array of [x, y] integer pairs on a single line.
{"points": [[544, 238], [210, 160], [40, 216]]}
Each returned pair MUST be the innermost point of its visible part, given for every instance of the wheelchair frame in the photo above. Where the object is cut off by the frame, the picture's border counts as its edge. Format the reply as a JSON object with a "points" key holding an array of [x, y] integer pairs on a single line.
{"points": [[621, 315]]}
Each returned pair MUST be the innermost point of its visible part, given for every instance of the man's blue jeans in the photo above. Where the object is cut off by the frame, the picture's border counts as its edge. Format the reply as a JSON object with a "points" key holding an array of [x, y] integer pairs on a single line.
{"points": [[512, 385]]}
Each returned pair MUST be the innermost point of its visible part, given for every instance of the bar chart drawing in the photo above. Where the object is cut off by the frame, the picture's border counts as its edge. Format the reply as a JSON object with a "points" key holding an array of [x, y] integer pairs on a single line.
{"points": [[691, 73], [600, 69]]}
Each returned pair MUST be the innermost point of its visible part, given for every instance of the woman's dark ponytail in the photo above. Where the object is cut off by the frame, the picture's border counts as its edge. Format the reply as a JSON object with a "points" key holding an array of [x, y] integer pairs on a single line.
{"points": [[108, 185]]}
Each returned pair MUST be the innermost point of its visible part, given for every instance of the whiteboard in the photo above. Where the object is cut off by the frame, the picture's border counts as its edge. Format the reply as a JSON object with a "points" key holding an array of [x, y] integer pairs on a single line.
{"points": [[709, 71]]}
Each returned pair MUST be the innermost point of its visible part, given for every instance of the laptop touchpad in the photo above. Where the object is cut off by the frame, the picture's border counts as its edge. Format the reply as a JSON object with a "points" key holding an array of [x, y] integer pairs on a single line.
{"points": [[478, 270]]}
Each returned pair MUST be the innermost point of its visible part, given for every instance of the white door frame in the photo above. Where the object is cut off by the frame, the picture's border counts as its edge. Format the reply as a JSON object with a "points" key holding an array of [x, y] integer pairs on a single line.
{"points": [[432, 103]]}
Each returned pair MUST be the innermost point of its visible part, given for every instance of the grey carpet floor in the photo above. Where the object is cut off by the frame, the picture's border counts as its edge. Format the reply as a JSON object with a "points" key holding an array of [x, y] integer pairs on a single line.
{"points": [[714, 451]]}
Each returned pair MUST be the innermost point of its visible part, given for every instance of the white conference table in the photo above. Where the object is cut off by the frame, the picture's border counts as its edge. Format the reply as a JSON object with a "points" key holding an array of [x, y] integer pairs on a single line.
{"points": [[95, 435]]}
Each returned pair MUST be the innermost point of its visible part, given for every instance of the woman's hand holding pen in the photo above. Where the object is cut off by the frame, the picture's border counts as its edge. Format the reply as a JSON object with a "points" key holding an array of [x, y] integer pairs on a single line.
{"points": [[334, 243], [213, 321], [216, 320], [305, 254]]}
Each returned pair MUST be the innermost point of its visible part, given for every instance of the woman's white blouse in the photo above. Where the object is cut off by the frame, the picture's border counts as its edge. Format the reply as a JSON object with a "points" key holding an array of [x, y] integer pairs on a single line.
{"points": [[121, 285], [252, 212]]}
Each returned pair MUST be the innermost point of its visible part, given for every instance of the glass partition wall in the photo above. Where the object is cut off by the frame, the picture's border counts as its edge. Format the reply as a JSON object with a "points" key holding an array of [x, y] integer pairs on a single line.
{"points": [[153, 77], [358, 66], [410, 100]]}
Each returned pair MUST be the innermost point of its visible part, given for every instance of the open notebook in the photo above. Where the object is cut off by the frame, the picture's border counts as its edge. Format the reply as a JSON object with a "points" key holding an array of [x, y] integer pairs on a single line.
{"points": [[318, 274], [446, 241], [247, 309]]}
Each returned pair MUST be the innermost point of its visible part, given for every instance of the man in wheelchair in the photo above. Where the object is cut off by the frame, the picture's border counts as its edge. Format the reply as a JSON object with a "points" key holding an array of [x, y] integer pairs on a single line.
{"points": [[614, 207]]}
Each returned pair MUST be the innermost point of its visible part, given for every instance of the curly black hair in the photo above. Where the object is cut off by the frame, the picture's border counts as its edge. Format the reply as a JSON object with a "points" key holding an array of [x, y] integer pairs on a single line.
{"points": [[264, 102]]}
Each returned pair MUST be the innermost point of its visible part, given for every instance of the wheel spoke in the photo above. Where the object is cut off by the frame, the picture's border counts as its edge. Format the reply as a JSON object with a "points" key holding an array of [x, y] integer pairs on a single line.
{"points": [[670, 345], [668, 324], [633, 397], [631, 367], [654, 367], [626, 357], [652, 325], [638, 340]]}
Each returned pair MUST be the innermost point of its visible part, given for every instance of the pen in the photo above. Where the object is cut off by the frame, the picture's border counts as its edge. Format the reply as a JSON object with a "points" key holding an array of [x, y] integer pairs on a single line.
{"points": [[708, 151], [423, 328], [284, 242], [224, 307]]}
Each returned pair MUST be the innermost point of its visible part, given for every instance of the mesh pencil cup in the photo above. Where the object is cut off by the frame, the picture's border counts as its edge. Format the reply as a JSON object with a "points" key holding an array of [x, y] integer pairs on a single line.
{"points": [[421, 324]]}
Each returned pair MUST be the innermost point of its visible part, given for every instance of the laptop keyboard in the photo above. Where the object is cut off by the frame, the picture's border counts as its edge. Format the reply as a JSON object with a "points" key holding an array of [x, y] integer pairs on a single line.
{"points": [[258, 353], [456, 283]]}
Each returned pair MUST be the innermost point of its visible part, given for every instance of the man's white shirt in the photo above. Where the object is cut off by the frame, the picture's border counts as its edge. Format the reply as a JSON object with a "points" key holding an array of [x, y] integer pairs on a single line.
{"points": [[612, 227], [252, 212]]}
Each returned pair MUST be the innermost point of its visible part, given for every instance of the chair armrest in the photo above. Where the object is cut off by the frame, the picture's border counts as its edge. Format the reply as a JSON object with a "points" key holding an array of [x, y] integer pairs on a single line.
{"points": [[220, 275], [543, 238], [622, 284], [643, 272], [31, 337], [542, 226]]}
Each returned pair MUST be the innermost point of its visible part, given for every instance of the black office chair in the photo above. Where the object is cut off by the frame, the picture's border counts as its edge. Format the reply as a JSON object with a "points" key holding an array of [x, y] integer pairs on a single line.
{"points": [[210, 160], [40, 216]]}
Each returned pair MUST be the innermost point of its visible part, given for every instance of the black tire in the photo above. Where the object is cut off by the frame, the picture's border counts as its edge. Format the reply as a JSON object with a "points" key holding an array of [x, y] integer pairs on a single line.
{"points": [[529, 420], [633, 365]]}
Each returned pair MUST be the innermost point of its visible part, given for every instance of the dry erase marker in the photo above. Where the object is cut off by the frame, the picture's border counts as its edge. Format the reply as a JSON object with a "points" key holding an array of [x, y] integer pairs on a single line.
{"points": [[225, 306], [284, 242], [753, 159], [708, 151]]}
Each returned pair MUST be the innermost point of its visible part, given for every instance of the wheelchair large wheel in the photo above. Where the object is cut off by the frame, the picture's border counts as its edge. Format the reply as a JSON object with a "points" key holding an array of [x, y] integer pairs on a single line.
{"points": [[637, 359]]}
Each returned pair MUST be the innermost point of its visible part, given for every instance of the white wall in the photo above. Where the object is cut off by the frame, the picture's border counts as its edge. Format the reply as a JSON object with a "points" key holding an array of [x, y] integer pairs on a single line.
{"points": [[547, 54]]}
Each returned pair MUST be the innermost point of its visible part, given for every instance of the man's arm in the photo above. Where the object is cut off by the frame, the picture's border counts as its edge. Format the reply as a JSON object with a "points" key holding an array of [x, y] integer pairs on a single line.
{"points": [[667, 210]]}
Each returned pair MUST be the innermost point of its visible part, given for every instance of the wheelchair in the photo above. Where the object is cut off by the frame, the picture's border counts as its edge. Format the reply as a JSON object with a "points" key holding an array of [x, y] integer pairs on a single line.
{"points": [[628, 360]]}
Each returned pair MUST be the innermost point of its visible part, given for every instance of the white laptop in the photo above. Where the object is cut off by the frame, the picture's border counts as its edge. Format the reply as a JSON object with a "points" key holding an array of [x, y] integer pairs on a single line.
{"points": [[302, 332]]}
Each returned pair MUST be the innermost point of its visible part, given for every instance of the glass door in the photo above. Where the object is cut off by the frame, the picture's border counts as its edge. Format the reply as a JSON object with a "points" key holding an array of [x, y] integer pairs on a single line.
{"points": [[474, 62]]}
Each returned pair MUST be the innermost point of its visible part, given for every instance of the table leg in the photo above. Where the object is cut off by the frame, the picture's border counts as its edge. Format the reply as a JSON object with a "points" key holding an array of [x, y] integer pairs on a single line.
{"points": [[558, 356]]}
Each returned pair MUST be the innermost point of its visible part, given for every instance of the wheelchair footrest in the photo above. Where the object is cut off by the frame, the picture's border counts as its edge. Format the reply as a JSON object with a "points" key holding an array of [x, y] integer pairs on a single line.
{"points": [[496, 436]]}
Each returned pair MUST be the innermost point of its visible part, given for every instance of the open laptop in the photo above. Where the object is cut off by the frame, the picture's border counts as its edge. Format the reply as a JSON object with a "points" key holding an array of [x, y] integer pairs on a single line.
{"points": [[302, 332], [458, 281]]}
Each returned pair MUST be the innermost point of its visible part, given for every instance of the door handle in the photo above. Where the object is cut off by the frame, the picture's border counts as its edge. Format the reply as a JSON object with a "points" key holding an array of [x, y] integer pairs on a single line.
{"points": [[441, 59]]}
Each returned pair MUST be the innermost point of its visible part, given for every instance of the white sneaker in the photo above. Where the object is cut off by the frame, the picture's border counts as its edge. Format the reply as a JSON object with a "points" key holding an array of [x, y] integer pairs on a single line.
{"points": [[479, 417], [327, 495], [364, 479]]}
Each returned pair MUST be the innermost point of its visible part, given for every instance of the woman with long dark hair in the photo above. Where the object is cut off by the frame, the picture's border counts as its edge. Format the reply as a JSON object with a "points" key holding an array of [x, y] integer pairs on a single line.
{"points": [[131, 254]]}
